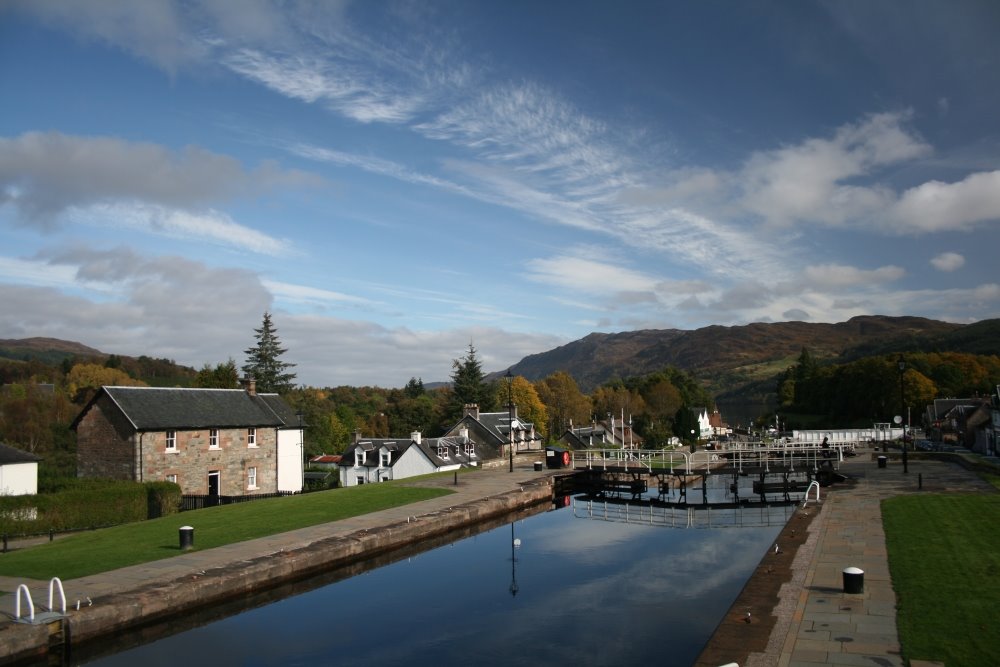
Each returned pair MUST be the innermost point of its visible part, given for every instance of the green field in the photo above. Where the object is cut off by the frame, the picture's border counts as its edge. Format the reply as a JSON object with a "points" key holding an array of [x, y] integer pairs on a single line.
{"points": [[106, 549], [944, 557]]}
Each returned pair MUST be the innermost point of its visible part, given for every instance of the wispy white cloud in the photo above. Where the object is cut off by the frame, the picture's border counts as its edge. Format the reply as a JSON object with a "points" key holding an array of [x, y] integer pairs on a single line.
{"points": [[211, 226], [948, 261], [588, 270]]}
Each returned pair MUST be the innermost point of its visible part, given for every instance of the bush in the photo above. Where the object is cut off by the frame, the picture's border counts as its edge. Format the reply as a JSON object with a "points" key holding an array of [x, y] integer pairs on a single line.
{"points": [[87, 504], [164, 499]]}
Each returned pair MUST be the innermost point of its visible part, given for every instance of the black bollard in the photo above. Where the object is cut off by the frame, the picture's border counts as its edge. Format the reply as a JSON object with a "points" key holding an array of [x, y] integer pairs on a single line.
{"points": [[904, 459], [920, 481], [5, 542], [186, 535], [854, 581], [456, 478], [51, 535]]}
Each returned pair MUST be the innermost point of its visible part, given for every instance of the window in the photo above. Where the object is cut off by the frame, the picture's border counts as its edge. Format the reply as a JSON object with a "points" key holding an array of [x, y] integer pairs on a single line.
{"points": [[252, 477], [361, 480], [171, 441], [385, 459], [251, 437], [172, 478], [470, 451], [359, 457], [443, 453], [213, 438]]}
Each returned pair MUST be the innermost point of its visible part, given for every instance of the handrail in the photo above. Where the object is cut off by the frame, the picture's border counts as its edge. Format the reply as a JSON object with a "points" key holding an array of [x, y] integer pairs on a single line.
{"points": [[808, 489], [793, 453], [62, 593], [17, 605]]}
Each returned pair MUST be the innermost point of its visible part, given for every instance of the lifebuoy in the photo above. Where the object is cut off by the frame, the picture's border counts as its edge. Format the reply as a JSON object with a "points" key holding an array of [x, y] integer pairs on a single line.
{"points": [[565, 458]]}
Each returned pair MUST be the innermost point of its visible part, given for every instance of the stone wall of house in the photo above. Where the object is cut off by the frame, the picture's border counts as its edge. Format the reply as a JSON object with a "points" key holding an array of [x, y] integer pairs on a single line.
{"points": [[194, 459], [104, 443]]}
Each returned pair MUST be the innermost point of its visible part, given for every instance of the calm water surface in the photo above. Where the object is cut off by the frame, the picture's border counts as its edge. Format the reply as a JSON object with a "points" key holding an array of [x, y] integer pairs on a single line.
{"points": [[591, 589]]}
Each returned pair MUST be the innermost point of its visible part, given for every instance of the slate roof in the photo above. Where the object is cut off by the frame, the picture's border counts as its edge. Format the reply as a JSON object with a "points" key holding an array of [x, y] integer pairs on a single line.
{"points": [[10, 454], [158, 409]]}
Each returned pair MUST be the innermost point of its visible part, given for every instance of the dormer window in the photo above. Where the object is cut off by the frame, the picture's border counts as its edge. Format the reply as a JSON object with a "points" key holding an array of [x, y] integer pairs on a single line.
{"points": [[385, 459], [470, 451], [359, 457], [443, 453]]}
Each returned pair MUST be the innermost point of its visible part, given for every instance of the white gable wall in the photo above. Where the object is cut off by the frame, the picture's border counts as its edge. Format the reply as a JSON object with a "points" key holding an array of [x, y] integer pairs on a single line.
{"points": [[413, 462], [290, 460], [19, 479]]}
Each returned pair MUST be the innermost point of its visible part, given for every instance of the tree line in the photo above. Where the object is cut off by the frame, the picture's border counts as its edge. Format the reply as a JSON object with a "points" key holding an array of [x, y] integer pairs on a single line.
{"points": [[875, 389]]}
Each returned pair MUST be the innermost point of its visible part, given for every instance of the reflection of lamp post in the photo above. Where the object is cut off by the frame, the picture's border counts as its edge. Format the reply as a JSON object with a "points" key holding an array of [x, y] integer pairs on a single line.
{"points": [[510, 421], [901, 364], [514, 543]]}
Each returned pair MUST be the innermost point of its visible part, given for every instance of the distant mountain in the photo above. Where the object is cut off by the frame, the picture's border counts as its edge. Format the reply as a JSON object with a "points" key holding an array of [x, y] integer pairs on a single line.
{"points": [[739, 364], [46, 350], [716, 353]]}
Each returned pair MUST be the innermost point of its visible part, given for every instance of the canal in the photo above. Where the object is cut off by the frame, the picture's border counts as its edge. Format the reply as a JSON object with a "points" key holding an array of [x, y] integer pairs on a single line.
{"points": [[589, 583]]}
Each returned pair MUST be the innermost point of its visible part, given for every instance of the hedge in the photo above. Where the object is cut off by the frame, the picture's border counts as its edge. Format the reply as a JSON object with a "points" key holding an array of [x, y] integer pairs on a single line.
{"points": [[87, 505]]}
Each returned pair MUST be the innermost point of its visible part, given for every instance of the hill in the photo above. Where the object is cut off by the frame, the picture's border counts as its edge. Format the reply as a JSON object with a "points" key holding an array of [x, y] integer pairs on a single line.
{"points": [[739, 364], [47, 350], [53, 352]]}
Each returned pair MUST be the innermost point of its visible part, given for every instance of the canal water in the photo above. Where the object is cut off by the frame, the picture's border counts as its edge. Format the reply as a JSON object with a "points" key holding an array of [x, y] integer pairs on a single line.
{"points": [[589, 583]]}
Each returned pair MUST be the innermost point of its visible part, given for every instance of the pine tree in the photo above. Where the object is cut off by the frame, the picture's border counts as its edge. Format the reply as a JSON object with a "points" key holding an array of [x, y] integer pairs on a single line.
{"points": [[264, 363], [468, 384]]}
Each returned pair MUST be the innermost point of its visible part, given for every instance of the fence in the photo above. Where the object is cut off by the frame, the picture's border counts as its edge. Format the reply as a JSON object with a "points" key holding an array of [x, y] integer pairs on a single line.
{"points": [[201, 502]]}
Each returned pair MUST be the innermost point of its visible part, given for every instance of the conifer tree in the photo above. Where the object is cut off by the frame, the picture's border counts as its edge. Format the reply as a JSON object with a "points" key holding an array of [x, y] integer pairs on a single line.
{"points": [[468, 384], [264, 362]]}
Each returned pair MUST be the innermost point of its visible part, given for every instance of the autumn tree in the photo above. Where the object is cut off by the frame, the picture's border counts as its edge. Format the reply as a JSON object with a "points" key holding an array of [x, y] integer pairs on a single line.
{"points": [[563, 401], [84, 379], [264, 362], [529, 406]]}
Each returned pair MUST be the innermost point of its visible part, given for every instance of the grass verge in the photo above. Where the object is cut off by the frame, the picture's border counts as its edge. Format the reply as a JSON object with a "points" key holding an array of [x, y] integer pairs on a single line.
{"points": [[106, 549], [944, 554]]}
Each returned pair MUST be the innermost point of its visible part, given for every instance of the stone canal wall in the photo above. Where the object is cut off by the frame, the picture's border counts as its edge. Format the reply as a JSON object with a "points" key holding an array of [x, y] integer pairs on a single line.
{"points": [[157, 601]]}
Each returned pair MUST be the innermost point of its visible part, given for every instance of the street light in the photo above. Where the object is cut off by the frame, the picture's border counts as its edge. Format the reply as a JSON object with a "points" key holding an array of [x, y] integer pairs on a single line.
{"points": [[510, 418], [901, 364]]}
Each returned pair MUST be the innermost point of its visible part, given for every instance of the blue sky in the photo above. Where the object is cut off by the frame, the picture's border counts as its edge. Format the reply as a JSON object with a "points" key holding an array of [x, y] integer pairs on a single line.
{"points": [[397, 180]]}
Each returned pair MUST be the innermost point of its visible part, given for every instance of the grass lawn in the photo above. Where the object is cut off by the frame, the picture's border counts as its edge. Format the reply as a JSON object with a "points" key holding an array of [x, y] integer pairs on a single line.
{"points": [[944, 556], [111, 548]]}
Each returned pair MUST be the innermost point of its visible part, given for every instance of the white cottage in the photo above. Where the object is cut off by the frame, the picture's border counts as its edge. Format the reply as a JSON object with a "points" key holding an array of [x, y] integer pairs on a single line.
{"points": [[18, 472], [383, 459]]}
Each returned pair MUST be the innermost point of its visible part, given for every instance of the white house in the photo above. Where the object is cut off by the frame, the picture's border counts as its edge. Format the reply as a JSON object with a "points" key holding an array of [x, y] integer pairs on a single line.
{"points": [[704, 423], [18, 472], [384, 459]]}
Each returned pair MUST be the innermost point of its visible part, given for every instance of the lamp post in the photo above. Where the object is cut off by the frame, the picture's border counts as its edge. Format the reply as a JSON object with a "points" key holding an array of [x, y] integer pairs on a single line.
{"points": [[901, 364], [510, 418], [302, 452]]}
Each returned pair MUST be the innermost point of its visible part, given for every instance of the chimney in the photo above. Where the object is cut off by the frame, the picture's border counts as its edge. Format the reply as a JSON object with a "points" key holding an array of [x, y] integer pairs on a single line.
{"points": [[471, 410], [357, 435], [415, 437], [249, 385], [463, 433]]}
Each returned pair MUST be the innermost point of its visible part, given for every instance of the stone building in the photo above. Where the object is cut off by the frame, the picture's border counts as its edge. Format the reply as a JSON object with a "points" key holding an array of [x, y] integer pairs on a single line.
{"points": [[209, 441]]}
